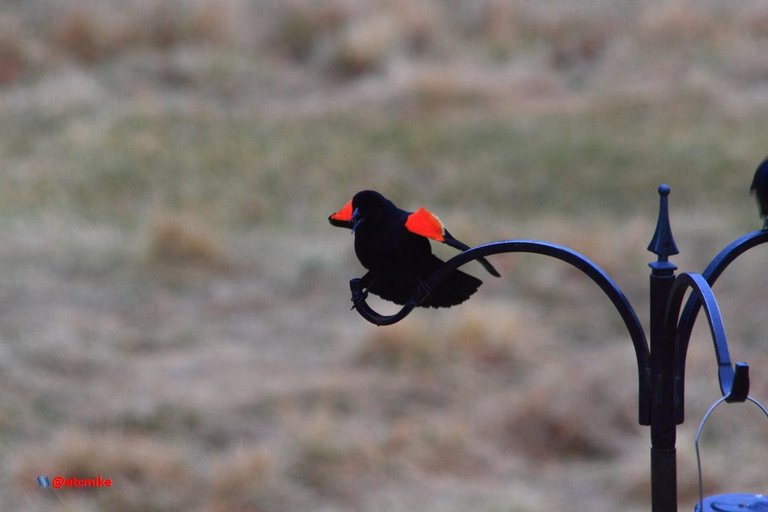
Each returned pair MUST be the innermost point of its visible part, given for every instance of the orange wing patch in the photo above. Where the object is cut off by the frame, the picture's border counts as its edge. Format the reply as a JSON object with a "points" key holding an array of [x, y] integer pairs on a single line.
{"points": [[425, 223], [345, 214]]}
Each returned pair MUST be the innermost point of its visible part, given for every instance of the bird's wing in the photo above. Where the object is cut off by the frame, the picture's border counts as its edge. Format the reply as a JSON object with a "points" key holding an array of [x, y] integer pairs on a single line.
{"points": [[343, 217], [425, 223], [457, 244]]}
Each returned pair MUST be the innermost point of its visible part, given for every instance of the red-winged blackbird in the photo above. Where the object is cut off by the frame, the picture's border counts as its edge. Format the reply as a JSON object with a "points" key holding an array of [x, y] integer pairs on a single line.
{"points": [[760, 188], [393, 245]]}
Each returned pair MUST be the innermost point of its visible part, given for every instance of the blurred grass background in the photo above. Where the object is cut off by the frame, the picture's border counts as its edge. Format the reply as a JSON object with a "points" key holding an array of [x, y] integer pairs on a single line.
{"points": [[174, 305]]}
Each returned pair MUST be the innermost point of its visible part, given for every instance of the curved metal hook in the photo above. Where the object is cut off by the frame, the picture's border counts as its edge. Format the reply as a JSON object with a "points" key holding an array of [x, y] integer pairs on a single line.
{"points": [[713, 271], [367, 312], [584, 264], [734, 383]]}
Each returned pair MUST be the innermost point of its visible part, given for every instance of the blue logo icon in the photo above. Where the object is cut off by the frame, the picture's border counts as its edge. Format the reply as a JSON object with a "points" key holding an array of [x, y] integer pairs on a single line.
{"points": [[43, 481]]}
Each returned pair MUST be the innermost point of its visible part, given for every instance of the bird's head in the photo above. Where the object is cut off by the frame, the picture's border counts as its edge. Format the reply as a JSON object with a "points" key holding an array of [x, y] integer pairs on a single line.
{"points": [[366, 209]]}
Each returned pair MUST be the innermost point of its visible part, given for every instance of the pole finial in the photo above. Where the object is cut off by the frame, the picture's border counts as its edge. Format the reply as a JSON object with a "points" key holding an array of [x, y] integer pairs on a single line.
{"points": [[663, 243]]}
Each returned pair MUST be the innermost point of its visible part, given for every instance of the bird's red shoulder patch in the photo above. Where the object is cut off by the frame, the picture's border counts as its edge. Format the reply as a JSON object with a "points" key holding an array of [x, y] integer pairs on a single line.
{"points": [[425, 223], [345, 214]]}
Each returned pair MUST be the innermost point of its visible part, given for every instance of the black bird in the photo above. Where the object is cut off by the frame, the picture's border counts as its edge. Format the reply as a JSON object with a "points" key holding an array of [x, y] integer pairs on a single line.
{"points": [[393, 244], [760, 188]]}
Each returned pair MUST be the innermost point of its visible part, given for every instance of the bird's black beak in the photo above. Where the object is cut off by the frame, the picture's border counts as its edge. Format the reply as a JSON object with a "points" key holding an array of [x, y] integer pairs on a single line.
{"points": [[356, 220]]}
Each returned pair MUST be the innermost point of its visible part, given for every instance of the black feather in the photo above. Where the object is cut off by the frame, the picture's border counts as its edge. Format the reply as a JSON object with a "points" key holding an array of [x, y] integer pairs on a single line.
{"points": [[760, 189]]}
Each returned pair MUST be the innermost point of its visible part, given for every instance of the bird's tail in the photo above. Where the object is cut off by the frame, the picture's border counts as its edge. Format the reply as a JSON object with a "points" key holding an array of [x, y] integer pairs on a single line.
{"points": [[400, 287], [454, 289]]}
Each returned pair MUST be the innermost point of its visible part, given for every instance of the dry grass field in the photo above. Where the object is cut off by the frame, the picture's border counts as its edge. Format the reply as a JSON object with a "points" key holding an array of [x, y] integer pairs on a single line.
{"points": [[174, 307]]}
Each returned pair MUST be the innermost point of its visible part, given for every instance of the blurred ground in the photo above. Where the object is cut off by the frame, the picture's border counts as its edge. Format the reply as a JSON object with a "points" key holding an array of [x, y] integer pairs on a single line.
{"points": [[174, 309]]}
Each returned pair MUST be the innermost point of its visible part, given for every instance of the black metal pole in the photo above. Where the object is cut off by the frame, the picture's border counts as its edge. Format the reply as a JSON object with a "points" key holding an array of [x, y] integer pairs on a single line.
{"points": [[661, 367], [663, 427]]}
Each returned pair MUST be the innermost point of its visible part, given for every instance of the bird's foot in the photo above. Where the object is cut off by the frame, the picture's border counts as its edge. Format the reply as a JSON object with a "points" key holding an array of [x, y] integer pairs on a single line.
{"points": [[359, 293], [360, 297]]}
